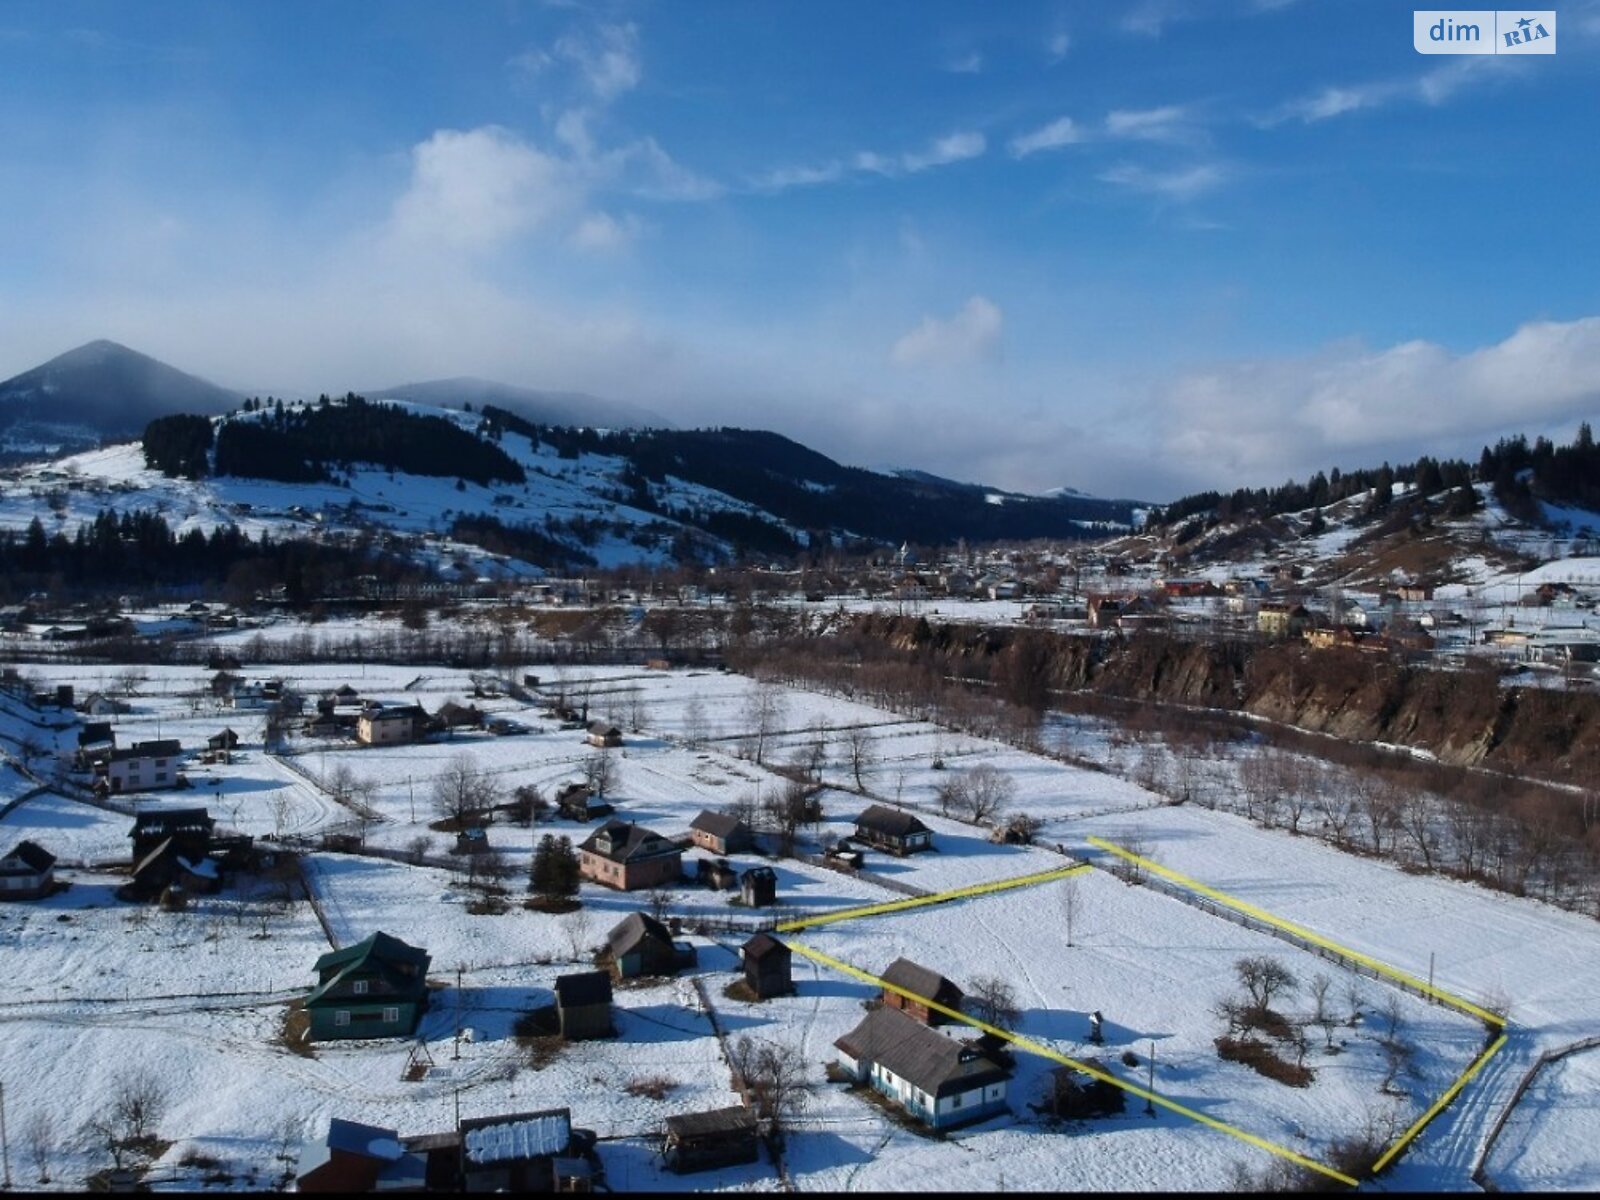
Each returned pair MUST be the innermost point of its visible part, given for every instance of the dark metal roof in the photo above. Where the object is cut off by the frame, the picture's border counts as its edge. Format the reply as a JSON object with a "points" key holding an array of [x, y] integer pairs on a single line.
{"points": [[628, 842], [585, 988], [762, 945], [34, 856], [891, 821], [922, 1056], [635, 928], [165, 748], [164, 822], [721, 1120], [923, 981], [720, 825]]}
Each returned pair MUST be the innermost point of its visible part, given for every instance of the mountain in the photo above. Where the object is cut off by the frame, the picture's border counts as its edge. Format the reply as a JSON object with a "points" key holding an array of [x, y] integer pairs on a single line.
{"points": [[99, 392], [544, 408]]}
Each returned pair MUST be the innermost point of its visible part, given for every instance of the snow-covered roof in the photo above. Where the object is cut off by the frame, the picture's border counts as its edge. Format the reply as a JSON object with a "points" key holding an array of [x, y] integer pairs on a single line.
{"points": [[523, 1135]]}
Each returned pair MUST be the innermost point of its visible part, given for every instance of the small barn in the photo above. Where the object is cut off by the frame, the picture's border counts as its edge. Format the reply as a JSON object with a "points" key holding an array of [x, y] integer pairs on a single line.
{"points": [[189, 828], [924, 983], [603, 733], [893, 830], [583, 1005], [27, 873], [358, 1158], [720, 833], [1075, 1096], [767, 966], [642, 945], [220, 746], [452, 716], [165, 867], [758, 887], [704, 1141], [375, 988], [577, 802]]}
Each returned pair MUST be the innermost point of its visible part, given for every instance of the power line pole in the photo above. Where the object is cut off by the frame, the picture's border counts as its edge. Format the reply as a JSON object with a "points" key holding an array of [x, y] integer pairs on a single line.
{"points": [[5, 1145]]}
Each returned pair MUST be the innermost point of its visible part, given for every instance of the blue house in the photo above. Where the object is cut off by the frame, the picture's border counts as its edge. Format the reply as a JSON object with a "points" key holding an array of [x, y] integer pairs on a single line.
{"points": [[936, 1079]]}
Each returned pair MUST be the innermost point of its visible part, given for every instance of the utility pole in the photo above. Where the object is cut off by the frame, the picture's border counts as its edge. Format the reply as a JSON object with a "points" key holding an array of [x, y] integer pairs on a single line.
{"points": [[413, 792], [5, 1145], [1430, 977], [1149, 1101], [456, 1052]]}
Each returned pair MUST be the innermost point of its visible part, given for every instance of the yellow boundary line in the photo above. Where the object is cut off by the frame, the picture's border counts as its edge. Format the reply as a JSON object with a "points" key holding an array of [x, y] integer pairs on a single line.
{"points": [[893, 906], [1041, 1051], [1262, 914], [1450, 1094]]}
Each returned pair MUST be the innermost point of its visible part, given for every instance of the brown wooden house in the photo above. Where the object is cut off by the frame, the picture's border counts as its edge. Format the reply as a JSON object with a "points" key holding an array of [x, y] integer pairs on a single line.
{"points": [[705, 1141], [583, 1005], [720, 833], [767, 966], [627, 857], [923, 983], [893, 830]]}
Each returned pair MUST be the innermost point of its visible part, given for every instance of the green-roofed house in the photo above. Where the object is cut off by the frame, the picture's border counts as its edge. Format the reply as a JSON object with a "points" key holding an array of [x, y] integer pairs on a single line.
{"points": [[373, 989]]}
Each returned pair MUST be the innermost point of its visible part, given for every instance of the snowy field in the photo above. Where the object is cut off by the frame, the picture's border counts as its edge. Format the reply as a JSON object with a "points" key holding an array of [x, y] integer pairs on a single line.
{"points": [[89, 973]]}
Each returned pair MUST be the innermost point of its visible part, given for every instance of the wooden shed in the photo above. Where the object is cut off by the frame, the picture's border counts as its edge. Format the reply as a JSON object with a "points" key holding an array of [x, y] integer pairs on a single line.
{"points": [[924, 983], [704, 1141], [767, 966], [758, 887], [583, 1005]]}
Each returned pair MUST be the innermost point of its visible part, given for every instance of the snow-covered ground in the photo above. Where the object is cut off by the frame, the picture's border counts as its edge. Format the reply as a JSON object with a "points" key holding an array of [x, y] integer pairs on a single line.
{"points": [[87, 971]]}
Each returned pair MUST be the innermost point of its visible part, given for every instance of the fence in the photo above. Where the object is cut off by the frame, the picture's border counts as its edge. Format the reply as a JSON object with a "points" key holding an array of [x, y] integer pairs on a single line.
{"points": [[1480, 1167]]}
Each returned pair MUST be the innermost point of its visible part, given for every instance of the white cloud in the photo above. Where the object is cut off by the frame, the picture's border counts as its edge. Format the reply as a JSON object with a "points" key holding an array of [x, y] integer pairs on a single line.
{"points": [[972, 335], [608, 58], [1058, 45], [782, 178], [1259, 420], [1060, 132], [474, 188], [1168, 123], [1433, 87], [1184, 183], [603, 233], [966, 64], [956, 147]]}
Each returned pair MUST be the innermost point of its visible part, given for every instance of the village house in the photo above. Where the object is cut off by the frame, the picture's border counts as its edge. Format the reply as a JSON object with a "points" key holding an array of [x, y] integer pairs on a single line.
{"points": [[519, 1153], [767, 966], [144, 766], [893, 830], [358, 1158], [642, 945], [926, 985], [220, 746], [98, 704], [96, 741], [602, 734], [583, 1005], [375, 988], [189, 829], [255, 693], [936, 1079], [391, 724], [1278, 619], [577, 802], [704, 1141], [452, 716], [720, 833], [27, 873], [628, 857], [758, 887]]}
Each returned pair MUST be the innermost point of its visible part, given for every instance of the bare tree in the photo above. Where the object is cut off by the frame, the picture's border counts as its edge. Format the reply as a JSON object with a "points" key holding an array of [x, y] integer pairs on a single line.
{"points": [[128, 680], [1321, 1010], [696, 729], [977, 794], [600, 771], [417, 848], [1071, 903], [1264, 979], [859, 750], [775, 1075], [658, 900], [39, 1142], [463, 791], [768, 709], [281, 805], [994, 1001], [579, 928], [1415, 818], [785, 811]]}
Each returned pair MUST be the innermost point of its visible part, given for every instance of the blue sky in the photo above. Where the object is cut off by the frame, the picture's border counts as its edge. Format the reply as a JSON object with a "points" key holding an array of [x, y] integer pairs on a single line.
{"points": [[1134, 248]]}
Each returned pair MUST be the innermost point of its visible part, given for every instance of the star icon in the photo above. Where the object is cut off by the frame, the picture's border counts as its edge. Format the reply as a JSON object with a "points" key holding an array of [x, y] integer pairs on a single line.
{"points": [[1525, 22]]}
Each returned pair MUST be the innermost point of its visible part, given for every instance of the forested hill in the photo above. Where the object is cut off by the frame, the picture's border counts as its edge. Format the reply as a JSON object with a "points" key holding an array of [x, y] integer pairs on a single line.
{"points": [[808, 490], [1520, 475]]}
